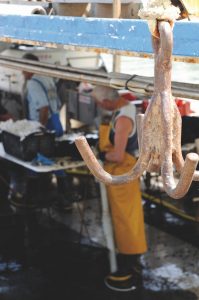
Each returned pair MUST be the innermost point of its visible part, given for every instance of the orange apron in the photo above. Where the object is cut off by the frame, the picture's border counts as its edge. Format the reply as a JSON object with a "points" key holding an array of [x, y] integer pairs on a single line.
{"points": [[125, 202]]}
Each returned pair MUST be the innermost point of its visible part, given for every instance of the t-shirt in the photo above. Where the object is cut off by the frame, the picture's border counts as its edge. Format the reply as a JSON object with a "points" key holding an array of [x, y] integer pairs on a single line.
{"points": [[129, 111], [38, 97]]}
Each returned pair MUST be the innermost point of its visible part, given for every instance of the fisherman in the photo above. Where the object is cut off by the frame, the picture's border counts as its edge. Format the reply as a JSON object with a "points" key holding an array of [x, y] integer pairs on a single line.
{"points": [[117, 144]]}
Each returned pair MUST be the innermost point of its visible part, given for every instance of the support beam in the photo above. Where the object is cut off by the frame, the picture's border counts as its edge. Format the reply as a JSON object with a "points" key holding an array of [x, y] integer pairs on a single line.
{"points": [[117, 36], [116, 15], [140, 84]]}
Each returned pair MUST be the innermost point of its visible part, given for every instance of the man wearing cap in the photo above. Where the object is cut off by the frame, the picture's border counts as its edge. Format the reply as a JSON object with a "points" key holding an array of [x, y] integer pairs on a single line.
{"points": [[117, 144]]}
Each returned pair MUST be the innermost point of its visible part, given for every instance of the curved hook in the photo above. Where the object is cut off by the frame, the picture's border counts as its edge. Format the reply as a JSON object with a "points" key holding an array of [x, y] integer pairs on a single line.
{"points": [[97, 170], [91, 161], [186, 176], [196, 176], [179, 163]]}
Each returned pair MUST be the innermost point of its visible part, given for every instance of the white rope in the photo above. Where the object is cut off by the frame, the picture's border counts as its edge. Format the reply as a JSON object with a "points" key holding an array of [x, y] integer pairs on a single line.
{"points": [[158, 10]]}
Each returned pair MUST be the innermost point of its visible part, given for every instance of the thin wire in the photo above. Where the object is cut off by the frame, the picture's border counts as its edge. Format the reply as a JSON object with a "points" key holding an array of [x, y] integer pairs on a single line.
{"points": [[128, 80]]}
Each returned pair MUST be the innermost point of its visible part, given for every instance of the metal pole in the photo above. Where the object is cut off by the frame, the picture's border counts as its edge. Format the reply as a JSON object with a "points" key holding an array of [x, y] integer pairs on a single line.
{"points": [[108, 228], [140, 84], [116, 14], [116, 8]]}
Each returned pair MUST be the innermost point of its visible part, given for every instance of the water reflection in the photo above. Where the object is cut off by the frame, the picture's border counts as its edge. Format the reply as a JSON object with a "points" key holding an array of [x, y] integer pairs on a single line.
{"points": [[38, 261]]}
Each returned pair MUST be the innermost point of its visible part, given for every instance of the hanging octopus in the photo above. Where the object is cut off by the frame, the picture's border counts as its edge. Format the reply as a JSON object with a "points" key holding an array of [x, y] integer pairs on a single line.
{"points": [[159, 129]]}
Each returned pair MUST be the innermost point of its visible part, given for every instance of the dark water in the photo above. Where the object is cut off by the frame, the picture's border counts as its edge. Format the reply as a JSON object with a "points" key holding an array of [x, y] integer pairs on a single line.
{"points": [[161, 218], [40, 259]]}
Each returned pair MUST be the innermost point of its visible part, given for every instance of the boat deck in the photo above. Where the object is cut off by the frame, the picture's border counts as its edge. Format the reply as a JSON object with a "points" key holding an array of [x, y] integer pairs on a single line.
{"points": [[46, 255]]}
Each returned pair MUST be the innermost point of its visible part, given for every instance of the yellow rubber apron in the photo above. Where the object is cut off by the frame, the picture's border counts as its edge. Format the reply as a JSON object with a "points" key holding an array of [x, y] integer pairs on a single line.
{"points": [[125, 202]]}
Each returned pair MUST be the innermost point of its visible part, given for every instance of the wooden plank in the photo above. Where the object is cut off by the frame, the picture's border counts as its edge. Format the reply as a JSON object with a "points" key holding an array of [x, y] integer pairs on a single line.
{"points": [[107, 35]]}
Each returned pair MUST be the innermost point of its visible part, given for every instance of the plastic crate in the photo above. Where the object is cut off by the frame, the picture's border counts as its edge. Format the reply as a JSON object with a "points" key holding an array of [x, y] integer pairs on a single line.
{"points": [[68, 147], [47, 144], [27, 149]]}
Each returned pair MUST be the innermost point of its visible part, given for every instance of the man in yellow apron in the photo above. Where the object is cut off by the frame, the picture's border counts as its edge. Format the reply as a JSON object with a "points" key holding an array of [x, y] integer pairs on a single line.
{"points": [[117, 142]]}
